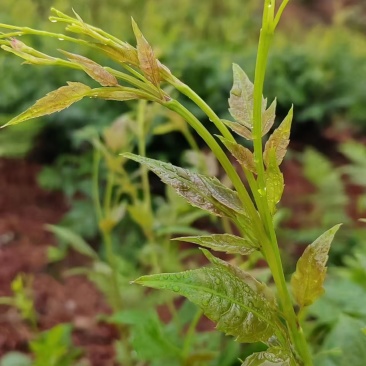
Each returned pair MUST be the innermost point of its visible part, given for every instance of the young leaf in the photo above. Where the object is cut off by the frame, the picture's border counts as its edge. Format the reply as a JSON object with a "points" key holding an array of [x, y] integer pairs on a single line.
{"points": [[307, 281], [239, 129], [243, 155], [279, 140], [94, 70], [274, 182], [120, 95], [268, 117], [200, 191], [271, 357], [148, 62], [239, 304], [121, 54], [241, 98], [54, 101], [223, 243]]}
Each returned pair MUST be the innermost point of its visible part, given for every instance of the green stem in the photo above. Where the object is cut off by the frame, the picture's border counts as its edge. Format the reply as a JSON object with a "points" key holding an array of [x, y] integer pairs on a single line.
{"points": [[270, 247], [219, 153], [95, 184]]}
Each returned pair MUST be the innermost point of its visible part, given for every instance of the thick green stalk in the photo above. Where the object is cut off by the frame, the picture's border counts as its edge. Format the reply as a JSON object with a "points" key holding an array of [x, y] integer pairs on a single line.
{"points": [[270, 248], [219, 153]]}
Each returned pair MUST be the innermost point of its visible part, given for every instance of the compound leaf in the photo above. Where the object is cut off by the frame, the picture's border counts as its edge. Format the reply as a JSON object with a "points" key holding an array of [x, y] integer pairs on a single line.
{"points": [[223, 243], [93, 69], [279, 140], [239, 304], [307, 281], [200, 191], [273, 356], [268, 117], [54, 101]]}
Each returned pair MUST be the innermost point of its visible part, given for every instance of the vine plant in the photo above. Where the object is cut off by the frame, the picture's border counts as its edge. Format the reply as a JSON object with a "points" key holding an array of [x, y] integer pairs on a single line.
{"points": [[240, 305]]}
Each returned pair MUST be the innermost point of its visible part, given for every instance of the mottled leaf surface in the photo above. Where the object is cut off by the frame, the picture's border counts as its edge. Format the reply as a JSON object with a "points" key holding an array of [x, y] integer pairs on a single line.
{"points": [[54, 101], [223, 243], [148, 62], [243, 155], [279, 140], [274, 182], [240, 305], [273, 356], [307, 281], [268, 117], [200, 191], [93, 69]]}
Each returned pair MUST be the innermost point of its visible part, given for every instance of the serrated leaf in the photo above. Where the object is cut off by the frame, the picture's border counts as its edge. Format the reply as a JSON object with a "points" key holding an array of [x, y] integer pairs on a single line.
{"points": [[54, 101], [199, 190], [268, 117], [240, 305], [243, 155], [148, 62], [223, 243], [241, 98], [279, 140], [307, 281], [274, 182], [93, 69], [273, 356]]}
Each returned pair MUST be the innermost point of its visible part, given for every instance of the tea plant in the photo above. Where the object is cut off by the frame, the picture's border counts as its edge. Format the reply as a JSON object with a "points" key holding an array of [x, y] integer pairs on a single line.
{"points": [[240, 305]]}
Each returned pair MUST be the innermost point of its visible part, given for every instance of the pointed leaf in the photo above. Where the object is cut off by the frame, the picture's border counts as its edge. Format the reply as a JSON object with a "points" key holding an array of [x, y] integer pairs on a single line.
{"points": [[243, 155], [148, 62], [200, 191], [307, 281], [241, 98], [279, 140], [273, 356], [223, 243], [122, 54], [274, 182], [239, 129], [268, 117], [93, 69], [54, 101], [240, 305]]}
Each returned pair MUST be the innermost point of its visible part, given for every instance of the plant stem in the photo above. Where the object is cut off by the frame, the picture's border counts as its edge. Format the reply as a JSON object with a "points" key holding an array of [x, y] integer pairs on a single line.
{"points": [[189, 335], [219, 153], [270, 248]]}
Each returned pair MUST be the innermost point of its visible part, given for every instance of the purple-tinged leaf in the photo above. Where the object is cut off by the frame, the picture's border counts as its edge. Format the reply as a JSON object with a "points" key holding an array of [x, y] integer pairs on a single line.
{"points": [[93, 69]]}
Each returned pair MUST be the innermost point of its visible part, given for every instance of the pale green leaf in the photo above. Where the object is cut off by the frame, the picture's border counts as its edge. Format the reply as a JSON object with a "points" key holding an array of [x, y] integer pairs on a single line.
{"points": [[273, 356], [223, 243], [123, 54], [240, 305], [148, 62], [54, 101], [268, 117], [307, 281], [243, 155], [74, 240], [200, 191], [274, 182], [119, 95], [241, 98], [93, 69], [279, 140], [241, 130]]}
